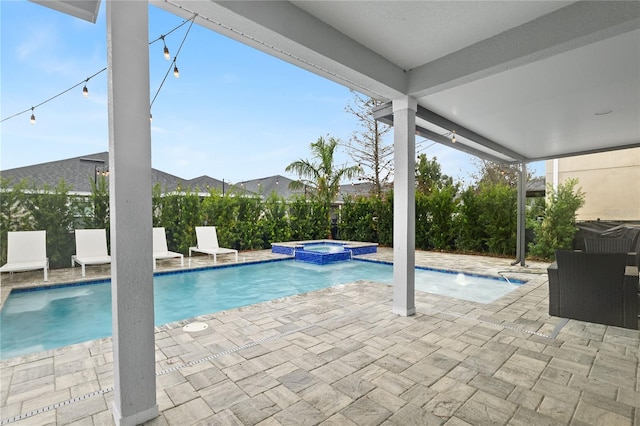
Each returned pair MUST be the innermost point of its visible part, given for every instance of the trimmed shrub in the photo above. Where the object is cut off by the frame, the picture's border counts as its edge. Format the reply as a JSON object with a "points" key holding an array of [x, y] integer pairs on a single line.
{"points": [[558, 227]]}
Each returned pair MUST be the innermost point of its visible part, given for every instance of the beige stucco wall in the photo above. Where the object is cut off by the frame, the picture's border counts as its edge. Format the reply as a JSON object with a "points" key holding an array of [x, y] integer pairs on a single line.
{"points": [[610, 181]]}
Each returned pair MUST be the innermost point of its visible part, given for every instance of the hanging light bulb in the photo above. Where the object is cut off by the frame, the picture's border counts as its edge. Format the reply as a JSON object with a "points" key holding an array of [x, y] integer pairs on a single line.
{"points": [[33, 117], [176, 73], [453, 137], [85, 91], [150, 118], [166, 49]]}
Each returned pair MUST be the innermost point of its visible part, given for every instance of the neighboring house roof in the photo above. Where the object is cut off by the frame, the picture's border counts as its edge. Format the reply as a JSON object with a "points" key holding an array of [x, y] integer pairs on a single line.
{"points": [[356, 190], [78, 172], [536, 187], [204, 183], [267, 185], [280, 185]]}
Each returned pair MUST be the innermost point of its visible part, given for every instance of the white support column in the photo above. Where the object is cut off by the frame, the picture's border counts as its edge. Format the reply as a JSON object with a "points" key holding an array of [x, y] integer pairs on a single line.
{"points": [[522, 215], [130, 208], [404, 207]]}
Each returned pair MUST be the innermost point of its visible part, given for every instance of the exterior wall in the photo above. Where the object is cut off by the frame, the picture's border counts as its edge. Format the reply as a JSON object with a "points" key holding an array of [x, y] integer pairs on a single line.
{"points": [[610, 181]]}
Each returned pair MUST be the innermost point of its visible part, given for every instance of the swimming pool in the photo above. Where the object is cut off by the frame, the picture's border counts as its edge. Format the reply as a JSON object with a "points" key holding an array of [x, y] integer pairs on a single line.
{"points": [[46, 318]]}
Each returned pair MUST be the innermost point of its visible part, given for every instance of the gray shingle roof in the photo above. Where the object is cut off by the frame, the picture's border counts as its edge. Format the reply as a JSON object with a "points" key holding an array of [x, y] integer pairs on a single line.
{"points": [[78, 172], [356, 190], [536, 187], [203, 184], [266, 186]]}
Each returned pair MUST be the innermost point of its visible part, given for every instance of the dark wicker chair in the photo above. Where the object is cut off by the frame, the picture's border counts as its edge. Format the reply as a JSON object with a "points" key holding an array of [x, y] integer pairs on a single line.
{"points": [[613, 245], [594, 287], [607, 245]]}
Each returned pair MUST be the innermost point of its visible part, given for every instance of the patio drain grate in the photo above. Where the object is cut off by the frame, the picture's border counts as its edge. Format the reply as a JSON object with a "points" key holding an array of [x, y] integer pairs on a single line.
{"points": [[553, 334]]}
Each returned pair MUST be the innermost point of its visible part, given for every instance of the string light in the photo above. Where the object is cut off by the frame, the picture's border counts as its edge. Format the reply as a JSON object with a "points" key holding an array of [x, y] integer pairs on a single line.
{"points": [[85, 90], [453, 136], [52, 98], [176, 72], [150, 118], [167, 56]]}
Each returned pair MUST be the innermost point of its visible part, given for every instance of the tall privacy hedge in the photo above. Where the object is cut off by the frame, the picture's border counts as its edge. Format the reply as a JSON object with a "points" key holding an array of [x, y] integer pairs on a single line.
{"points": [[26, 208], [480, 220]]}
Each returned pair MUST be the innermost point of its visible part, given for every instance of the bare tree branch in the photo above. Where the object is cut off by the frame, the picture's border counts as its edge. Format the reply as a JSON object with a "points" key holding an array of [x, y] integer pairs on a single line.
{"points": [[366, 146]]}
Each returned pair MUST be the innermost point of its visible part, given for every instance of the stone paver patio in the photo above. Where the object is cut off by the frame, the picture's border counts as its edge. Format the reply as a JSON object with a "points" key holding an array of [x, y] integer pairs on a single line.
{"points": [[340, 357]]}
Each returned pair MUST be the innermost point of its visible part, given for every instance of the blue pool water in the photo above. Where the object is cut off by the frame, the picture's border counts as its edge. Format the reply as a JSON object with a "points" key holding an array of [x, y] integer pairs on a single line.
{"points": [[33, 321], [324, 248]]}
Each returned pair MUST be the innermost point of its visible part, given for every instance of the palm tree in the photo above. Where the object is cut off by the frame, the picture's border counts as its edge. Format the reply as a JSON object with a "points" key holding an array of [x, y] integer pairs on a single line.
{"points": [[320, 174]]}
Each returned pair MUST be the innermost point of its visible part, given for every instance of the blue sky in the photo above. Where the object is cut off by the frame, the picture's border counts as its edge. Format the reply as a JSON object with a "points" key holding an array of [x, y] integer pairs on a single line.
{"points": [[235, 113]]}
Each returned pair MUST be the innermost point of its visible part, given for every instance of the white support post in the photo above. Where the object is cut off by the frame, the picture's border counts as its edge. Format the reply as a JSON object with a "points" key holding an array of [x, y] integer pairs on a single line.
{"points": [[404, 209], [130, 207], [522, 215]]}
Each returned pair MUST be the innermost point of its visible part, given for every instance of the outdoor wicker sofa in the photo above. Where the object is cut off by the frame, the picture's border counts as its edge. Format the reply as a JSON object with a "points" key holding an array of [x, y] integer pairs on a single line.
{"points": [[594, 287], [613, 245]]}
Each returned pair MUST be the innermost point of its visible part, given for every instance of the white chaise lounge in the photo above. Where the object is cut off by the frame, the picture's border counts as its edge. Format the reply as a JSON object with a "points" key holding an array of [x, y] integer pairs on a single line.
{"points": [[91, 248], [26, 251], [160, 249], [208, 243]]}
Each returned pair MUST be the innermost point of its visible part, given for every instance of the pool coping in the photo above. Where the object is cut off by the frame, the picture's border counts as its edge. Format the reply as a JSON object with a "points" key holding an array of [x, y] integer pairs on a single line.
{"points": [[236, 265]]}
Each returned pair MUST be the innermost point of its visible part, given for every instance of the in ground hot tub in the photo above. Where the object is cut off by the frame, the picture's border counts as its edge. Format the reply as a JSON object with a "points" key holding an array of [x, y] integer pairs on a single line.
{"points": [[324, 247], [323, 251]]}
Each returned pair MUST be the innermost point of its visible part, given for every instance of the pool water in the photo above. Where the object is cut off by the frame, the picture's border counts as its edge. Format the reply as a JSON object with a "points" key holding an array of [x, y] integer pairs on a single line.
{"points": [[33, 321], [324, 248]]}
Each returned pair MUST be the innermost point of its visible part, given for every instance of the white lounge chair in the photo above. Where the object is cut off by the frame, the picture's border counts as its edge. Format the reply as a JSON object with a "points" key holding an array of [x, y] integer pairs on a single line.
{"points": [[208, 243], [160, 249], [91, 248], [26, 251]]}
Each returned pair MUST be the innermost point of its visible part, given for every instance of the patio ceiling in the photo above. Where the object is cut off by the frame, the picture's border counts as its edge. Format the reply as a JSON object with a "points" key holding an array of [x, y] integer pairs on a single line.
{"points": [[524, 80]]}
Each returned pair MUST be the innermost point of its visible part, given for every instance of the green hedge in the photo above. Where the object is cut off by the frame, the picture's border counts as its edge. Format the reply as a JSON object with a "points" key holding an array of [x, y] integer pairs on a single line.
{"points": [[481, 220], [26, 208]]}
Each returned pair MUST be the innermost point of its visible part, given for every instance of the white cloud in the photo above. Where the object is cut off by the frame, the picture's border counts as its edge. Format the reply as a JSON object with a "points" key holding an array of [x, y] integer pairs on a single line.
{"points": [[39, 39]]}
